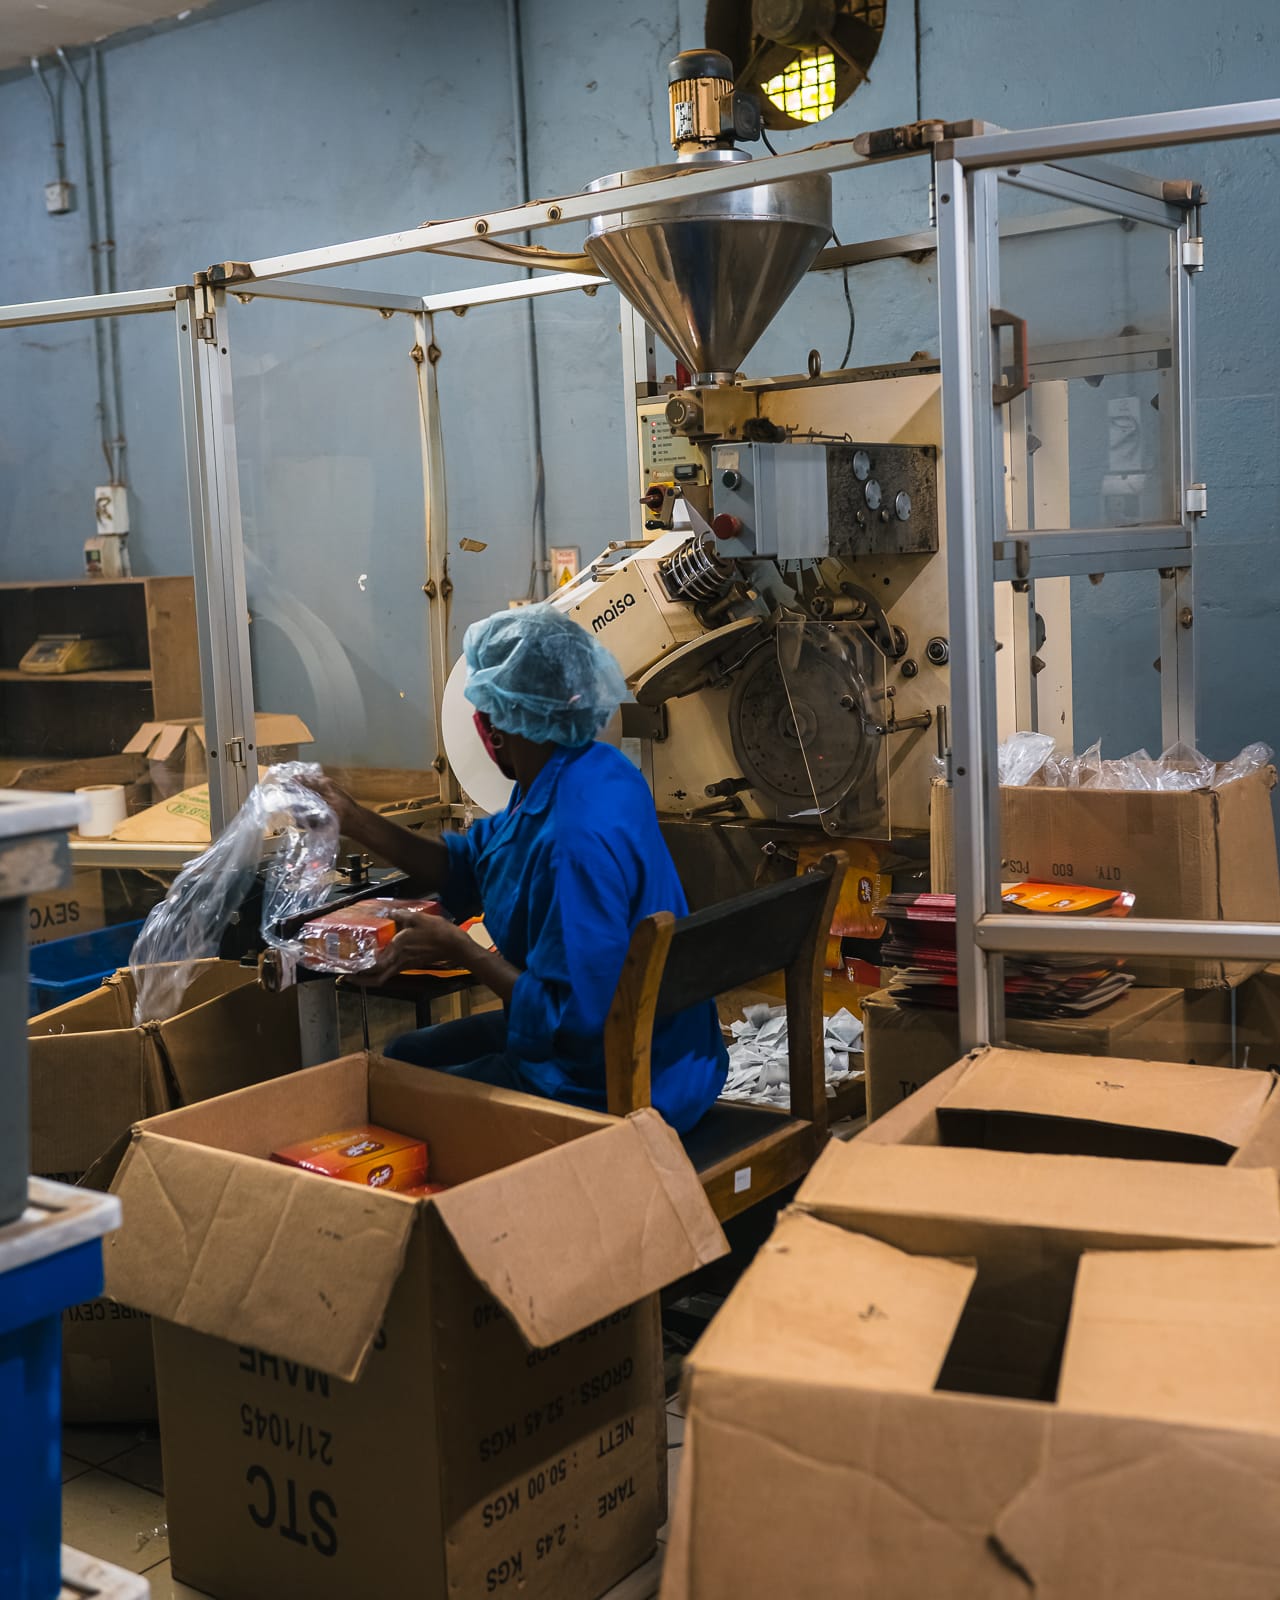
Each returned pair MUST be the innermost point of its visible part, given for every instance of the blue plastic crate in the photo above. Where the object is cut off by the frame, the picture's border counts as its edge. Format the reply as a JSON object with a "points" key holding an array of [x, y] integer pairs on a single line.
{"points": [[50, 1258], [63, 969]]}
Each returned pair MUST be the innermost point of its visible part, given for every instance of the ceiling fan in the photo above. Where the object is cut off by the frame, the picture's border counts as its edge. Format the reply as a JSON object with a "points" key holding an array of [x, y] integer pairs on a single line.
{"points": [[800, 58]]}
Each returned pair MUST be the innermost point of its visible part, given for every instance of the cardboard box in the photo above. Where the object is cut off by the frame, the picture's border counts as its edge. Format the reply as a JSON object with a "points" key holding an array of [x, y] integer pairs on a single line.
{"points": [[833, 1446], [1258, 1021], [184, 817], [93, 1075], [378, 1157], [177, 759], [181, 819], [63, 777], [907, 1046], [1208, 855], [59, 913], [499, 1426]]}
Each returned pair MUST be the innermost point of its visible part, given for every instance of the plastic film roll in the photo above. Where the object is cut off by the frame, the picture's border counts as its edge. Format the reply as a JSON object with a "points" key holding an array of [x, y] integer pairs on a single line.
{"points": [[107, 809]]}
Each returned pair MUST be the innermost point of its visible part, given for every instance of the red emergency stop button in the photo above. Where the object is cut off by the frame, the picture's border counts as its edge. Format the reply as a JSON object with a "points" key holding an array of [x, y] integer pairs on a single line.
{"points": [[726, 526]]}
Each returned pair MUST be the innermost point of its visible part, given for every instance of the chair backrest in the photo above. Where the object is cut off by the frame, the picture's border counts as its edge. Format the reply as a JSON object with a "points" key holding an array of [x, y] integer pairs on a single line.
{"points": [[675, 963]]}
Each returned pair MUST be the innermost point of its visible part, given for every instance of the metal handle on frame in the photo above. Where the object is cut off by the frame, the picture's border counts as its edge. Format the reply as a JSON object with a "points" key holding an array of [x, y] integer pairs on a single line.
{"points": [[1003, 393]]}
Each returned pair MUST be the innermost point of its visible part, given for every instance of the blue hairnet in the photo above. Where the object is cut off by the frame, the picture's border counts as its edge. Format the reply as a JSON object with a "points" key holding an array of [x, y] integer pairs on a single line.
{"points": [[535, 672]]}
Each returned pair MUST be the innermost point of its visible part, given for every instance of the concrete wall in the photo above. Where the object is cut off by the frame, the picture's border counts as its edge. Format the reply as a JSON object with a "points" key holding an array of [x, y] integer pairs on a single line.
{"points": [[300, 122]]}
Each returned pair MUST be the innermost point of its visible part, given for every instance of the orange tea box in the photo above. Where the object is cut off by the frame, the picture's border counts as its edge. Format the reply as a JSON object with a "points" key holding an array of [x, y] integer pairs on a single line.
{"points": [[366, 1154], [350, 939], [345, 939]]}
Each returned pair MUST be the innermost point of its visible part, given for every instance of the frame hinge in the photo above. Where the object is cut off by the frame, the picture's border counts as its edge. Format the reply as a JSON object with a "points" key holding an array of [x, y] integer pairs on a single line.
{"points": [[235, 751], [1197, 500], [207, 329], [1193, 254]]}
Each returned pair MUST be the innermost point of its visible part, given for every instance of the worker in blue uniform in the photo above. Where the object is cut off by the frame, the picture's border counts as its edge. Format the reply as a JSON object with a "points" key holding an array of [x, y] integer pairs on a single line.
{"points": [[563, 875]]}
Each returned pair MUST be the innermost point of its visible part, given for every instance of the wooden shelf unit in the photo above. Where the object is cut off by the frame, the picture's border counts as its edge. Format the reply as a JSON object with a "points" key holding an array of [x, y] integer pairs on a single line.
{"points": [[116, 675], [41, 720]]}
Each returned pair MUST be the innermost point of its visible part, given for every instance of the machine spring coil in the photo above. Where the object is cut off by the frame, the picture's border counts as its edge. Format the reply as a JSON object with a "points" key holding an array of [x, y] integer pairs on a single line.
{"points": [[695, 572]]}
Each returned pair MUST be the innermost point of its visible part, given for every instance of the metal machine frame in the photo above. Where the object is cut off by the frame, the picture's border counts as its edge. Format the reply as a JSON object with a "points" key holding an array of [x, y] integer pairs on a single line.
{"points": [[966, 173], [212, 451], [177, 301]]}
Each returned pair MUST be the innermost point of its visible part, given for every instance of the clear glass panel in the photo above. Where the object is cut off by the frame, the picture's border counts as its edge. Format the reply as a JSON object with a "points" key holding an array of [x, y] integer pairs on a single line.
{"points": [[332, 506], [1094, 442], [1115, 640], [1192, 837], [891, 310], [53, 459]]}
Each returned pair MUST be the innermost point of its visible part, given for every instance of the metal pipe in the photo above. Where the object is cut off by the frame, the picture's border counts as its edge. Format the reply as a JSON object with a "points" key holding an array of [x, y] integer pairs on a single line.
{"points": [[538, 577], [55, 117], [526, 288], [217, 539], [85, 308], [1116, 134], [694, 183], [435, 509], [968, 559], [101, 340], [1129, 936], [108, 248]]}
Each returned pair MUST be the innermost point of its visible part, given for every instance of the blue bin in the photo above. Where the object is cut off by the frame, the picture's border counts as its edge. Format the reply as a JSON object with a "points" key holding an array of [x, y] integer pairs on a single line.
{"points": [[50, 1258], [66, 968]]}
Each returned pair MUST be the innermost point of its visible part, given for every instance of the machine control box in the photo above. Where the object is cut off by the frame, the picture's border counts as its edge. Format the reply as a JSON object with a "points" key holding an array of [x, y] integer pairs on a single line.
{"points": [[770, 500]]}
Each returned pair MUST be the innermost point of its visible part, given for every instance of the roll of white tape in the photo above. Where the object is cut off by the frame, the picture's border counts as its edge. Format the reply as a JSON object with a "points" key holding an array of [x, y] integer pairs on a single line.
{"points": [[107, 809]]}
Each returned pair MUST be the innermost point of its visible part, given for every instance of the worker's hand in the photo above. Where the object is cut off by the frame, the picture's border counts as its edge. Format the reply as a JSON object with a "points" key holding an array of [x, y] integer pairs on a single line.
{"points": [[338, 800], [423, 941]]}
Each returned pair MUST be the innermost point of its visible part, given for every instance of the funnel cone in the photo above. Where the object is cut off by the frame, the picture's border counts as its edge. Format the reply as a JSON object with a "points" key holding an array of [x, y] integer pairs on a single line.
{"points": [[710, 273]]}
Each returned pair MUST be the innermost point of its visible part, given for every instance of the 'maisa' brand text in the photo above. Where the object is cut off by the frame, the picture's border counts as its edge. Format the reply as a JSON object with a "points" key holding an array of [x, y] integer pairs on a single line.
{"points": [[612, 611]]}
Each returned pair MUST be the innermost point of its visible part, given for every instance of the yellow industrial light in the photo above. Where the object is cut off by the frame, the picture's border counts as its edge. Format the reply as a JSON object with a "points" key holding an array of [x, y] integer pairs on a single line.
{"points": [[806, 88]]}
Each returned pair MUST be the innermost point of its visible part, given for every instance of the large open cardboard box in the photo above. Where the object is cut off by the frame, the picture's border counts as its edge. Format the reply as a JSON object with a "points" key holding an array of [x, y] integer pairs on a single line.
{"points": [[184, 817], [907, 1046], [1206, 855], [1033, 1102], [93, 1075], [836, 1445], [177, 759], [360, 1392]]}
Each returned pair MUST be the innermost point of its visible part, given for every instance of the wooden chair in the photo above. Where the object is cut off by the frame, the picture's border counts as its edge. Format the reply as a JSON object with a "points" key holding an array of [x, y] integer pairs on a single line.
{"points": [[743, 1153]]}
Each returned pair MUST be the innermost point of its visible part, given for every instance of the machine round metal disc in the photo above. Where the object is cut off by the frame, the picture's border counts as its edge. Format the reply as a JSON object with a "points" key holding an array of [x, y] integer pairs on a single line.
{"points": [[687, 667], [471, 763], [794, 739]]}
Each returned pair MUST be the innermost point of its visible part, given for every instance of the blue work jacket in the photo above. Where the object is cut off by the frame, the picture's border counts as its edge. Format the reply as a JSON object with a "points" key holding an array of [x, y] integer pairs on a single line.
{"points": [[563, 876]]}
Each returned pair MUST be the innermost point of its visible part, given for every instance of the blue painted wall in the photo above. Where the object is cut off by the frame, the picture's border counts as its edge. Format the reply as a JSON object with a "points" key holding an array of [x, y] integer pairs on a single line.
{"points": [[300, 122]]}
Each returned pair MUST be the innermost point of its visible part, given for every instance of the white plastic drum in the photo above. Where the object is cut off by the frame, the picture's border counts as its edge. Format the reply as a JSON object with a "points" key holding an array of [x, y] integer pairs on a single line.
{"points": [[472, 765]]}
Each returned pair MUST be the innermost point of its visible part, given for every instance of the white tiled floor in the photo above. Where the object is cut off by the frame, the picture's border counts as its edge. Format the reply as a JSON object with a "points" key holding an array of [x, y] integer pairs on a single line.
{"points": [[113, 1506]]}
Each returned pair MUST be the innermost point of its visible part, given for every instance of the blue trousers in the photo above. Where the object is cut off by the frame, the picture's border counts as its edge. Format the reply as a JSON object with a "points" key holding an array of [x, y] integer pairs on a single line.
{"points": [[471, 1047]]}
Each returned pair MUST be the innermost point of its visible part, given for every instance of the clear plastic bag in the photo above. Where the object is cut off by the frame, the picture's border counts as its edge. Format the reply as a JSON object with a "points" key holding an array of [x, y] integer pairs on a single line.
{"points": [[1022, 756], [1180, 768], [1249, 760], [188, 924]]}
